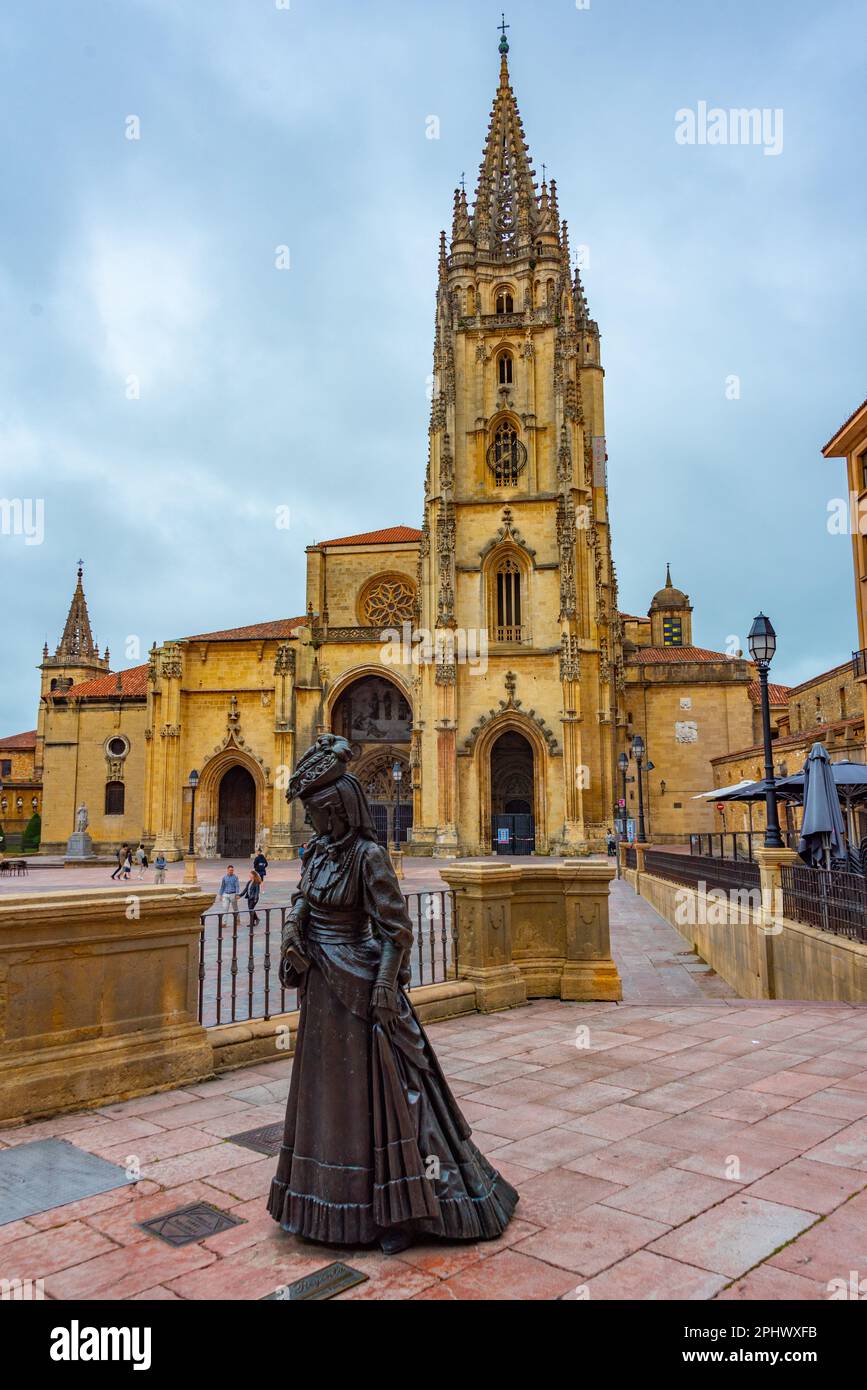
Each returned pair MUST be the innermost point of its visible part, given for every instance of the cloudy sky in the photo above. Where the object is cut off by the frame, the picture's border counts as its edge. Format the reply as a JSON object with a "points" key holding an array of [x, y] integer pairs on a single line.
{"points": [[164, 387]]}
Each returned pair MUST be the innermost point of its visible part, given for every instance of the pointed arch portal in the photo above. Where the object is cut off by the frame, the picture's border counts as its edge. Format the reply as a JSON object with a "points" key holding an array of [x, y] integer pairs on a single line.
{"points": [[236, 816], [512, 783]]}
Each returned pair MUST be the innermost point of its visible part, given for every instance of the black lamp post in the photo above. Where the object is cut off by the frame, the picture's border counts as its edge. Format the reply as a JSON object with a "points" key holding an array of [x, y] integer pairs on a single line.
{"points": [[623, 766], [763, 644], [193, 783], [397, 776], [638, 754]]}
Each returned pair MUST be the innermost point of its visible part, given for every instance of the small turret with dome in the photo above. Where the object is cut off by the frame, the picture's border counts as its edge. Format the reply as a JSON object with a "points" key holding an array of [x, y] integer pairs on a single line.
{"points": [[670, 616]]}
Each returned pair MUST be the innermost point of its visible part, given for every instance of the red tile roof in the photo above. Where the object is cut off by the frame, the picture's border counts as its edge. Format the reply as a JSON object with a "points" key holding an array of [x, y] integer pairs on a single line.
{"points": [[133, 685], [391, 535], [778, 694], [281, 627], [806, 737], [647, 656], [631, 618], [19, 743]]}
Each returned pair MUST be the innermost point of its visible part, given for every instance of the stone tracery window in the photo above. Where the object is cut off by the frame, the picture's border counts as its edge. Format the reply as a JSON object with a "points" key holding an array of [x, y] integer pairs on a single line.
{"points": [[509, 626], [387, 600]]}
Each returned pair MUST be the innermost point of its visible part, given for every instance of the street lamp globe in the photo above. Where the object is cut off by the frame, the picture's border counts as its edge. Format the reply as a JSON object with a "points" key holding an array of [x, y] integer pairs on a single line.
{"points": [[638, 748], [623, 762], [762, 640]]}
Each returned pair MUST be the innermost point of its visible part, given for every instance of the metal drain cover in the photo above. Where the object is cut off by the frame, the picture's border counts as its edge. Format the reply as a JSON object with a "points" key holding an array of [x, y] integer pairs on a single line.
{"points": [[186, 1225], [265, 1140]]}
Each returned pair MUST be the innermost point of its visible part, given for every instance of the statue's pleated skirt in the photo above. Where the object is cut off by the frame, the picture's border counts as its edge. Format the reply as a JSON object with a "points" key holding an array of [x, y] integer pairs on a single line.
{"points": [[374, 1139]]}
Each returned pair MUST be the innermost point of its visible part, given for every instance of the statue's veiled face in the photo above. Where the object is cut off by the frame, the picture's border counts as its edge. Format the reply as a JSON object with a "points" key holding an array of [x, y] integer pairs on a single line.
{"points": [[327, 816]]}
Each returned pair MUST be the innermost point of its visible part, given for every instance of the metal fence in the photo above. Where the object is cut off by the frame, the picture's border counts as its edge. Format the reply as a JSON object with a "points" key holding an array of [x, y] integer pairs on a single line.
{"points": [[630, 857], [693, 869], [239, 956], [831, 901], [739, 845]]}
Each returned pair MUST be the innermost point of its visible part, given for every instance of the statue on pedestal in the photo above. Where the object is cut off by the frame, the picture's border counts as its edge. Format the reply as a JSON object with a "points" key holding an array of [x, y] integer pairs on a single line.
{"points": [[375, 1147], [82, 820]]}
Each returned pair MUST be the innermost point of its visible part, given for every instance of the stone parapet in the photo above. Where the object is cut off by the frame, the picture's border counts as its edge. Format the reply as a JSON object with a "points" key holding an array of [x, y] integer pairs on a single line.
{"points": [[98, 997], [533, 931]]}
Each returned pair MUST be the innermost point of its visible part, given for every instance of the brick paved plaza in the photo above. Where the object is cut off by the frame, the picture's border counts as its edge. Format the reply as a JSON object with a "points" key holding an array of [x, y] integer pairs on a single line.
{"points": [[683, 1144]]}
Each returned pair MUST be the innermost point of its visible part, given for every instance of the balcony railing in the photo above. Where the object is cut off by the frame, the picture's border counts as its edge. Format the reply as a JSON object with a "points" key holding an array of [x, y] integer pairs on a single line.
{"points": [[508, 634], [859, 664]]}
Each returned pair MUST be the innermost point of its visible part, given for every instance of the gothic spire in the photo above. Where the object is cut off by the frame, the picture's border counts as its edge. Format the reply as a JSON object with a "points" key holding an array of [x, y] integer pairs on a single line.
{"points": [[506, 209], [77, 640]]}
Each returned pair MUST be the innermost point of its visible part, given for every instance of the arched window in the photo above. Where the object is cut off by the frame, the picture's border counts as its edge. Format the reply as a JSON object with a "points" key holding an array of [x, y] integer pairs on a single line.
{"points": [[505, 368], [505, 301], [508, 601], [471, 301], [114, 798], [506, 456]]}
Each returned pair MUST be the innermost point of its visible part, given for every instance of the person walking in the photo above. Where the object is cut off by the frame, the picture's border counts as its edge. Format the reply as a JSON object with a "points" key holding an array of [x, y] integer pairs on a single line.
{"points": [[611, 842], [251, 892], [141, 860], [127, 863], [160, 868], [229, 890], [121, 856], [260, 864]]}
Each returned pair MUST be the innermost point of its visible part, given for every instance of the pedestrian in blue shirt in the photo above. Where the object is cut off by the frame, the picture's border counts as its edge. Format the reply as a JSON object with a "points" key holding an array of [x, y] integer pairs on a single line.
{"points": [[229, 890]]}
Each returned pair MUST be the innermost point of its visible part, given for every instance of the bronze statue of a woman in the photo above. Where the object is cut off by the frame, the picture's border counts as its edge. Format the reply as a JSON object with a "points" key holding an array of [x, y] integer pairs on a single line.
{"points": [[374, 1147]]}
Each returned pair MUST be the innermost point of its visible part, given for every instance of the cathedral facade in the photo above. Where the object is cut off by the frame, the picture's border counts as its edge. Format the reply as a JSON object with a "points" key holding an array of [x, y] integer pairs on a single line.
{"points": [[479, 665]]}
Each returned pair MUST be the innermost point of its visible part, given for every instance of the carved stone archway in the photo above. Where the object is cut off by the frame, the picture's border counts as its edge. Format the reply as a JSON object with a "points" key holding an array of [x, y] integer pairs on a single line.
{"points": [[512, 721], [208, 795]]}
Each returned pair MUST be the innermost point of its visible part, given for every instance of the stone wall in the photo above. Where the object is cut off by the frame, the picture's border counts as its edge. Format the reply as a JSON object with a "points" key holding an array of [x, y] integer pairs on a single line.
{"points": [[98, 997], [790, 961]]}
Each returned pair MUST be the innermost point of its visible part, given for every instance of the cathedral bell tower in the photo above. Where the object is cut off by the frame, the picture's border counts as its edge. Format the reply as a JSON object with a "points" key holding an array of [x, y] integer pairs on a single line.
{"points": [[517, 580]]}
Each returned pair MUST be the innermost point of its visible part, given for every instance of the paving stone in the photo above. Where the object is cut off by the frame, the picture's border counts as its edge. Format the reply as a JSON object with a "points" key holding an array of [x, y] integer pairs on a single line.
{"points": [[647, 1276], [734, 1236], [596, 1238], [817, 1187], [511, 1275], [672, 1196], [557, 1197], [41, 1254]]}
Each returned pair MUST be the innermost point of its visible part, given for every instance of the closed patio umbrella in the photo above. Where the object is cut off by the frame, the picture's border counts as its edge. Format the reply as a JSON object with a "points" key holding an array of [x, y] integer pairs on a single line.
{"points": [[822, 831], [850, 780]]}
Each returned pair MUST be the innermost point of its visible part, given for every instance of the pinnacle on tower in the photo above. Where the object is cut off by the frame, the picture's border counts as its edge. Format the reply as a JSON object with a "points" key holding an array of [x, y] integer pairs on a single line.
{"points": [[506, 213], [77, 640]]}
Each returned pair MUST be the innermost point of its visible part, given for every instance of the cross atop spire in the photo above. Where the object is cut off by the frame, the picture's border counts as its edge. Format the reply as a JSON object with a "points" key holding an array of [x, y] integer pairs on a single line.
{"points": [[504, 42]]}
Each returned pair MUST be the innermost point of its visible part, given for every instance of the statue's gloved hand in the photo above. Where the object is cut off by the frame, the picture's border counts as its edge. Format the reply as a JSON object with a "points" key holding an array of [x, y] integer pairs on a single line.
{"points": [[291, 943], [385, 995]]}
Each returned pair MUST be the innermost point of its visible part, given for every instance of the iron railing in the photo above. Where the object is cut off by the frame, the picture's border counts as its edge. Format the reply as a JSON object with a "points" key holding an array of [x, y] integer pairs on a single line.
{"points": [[859, 663], [630, 857], [832, 901], [739, 845], [239, 955], [693, 870]]}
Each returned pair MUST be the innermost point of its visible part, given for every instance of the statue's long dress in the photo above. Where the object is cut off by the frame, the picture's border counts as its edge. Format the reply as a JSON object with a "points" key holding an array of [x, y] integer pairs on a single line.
{"points": [[374, 1138]]}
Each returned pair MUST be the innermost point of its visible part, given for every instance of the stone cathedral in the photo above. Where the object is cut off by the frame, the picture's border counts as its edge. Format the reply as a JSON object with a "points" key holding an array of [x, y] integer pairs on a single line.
{"points": [[480, 666]]}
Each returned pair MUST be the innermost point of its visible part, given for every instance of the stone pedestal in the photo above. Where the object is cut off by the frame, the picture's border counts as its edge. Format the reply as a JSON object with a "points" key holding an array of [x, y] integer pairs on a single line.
{"points": [[770, 862], [190, 872], [79, 846]]}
